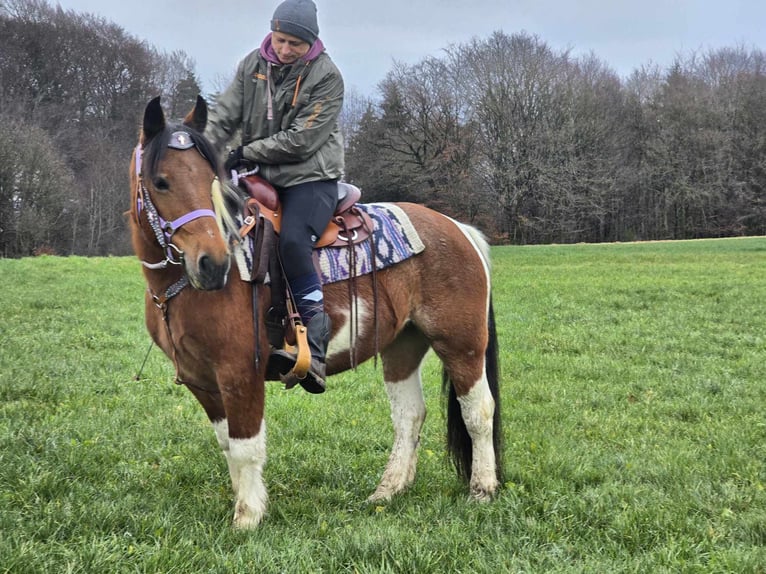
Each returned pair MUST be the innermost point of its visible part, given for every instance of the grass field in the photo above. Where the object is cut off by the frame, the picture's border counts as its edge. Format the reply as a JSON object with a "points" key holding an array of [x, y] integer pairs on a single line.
{"points": [[633, 402]]}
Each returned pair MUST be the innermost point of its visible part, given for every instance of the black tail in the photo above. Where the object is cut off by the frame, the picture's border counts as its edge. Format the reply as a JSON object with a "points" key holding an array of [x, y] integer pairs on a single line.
{"points": [[459, 444]]}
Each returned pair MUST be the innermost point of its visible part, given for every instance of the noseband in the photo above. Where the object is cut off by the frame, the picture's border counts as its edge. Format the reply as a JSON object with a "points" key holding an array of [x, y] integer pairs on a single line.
{"points": [[163, 229]]}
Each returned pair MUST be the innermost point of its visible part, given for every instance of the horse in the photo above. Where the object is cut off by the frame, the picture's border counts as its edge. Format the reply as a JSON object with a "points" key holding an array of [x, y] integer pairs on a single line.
{"points": [[195, 303]]}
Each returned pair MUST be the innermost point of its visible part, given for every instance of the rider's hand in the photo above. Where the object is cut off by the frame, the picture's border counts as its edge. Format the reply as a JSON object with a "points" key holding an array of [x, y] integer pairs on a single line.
{"points": [[235, 158]]}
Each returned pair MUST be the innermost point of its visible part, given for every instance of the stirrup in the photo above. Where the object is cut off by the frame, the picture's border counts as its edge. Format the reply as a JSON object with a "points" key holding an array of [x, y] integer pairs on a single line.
{"points": [[311, 383]]}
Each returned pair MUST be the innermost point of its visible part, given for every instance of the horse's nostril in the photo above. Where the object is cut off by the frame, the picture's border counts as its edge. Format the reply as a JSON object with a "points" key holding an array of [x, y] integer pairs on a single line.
{"points": [[212, 274], [204, 264]]}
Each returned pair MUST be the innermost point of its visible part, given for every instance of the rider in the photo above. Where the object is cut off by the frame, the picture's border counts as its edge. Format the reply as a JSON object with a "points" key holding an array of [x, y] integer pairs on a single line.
{"points": [[285, 99]]}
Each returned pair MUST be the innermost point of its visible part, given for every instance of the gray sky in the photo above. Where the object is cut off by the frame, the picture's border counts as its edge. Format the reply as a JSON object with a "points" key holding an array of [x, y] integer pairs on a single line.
{"points": [[364, 38]]}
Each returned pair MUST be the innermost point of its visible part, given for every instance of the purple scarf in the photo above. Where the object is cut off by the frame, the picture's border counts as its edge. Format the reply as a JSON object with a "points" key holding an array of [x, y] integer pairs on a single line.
{"points": [[268, 53]]}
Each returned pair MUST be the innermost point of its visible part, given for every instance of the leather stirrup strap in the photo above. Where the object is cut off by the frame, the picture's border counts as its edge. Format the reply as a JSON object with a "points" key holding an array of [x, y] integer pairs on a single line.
{"points": [[374, 258], [303, 359]]}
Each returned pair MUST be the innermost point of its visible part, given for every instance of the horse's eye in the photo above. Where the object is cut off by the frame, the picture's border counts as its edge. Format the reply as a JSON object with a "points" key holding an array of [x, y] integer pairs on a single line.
{"points": [[161, 183]]}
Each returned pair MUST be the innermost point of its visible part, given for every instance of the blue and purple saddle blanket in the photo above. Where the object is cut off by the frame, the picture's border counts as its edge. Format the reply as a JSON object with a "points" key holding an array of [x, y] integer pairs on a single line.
{"points": [[395, 241]]}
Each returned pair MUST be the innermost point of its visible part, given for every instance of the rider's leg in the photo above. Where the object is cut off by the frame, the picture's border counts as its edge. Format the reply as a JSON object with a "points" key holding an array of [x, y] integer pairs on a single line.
{"points": [[306, 210]]}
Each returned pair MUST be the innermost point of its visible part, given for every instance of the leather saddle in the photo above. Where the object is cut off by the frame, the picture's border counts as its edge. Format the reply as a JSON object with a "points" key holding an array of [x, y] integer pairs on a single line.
{"points": [[348, 226]]}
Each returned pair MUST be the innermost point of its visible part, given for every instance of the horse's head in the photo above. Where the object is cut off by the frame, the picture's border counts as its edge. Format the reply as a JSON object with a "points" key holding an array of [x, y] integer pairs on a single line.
{"points": [[177, 201]]}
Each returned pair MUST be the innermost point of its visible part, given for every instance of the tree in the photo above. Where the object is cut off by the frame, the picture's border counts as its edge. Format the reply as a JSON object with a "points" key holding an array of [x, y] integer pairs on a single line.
{"points": [[177, 82], [513, 82], [83, 82], [35, 192]]}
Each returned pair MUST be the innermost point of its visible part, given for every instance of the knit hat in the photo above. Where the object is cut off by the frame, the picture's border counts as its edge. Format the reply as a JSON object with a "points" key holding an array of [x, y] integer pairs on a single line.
{"points": [[297, 18]]}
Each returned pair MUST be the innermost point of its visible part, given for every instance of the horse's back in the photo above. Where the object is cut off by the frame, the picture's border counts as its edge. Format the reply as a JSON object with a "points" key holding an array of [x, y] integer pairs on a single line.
{"points": [[441, 291], [453, 251]]}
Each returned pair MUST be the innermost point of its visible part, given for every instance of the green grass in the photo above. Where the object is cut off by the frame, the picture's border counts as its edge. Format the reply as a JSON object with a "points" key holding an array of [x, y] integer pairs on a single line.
{"points": [[633, 402]]}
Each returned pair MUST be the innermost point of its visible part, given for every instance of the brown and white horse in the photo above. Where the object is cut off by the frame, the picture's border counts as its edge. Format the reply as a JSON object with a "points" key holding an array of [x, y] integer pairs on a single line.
{"points": [[197, 311]]}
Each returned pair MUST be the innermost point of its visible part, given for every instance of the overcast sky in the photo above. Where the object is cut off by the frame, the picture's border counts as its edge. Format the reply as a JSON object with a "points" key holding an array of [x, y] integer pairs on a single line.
{"points": [[365, 38]]}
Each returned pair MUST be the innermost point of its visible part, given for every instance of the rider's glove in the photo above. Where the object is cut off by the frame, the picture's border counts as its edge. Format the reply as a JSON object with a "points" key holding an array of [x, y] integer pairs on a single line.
{"points": [[235, 158]]}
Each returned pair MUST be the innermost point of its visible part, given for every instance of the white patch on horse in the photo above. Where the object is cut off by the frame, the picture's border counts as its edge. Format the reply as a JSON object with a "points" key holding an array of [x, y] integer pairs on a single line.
{"points": [[356, 316], [221, 429], [477, 408], [248, 457], [479, 243], [408, 411]]}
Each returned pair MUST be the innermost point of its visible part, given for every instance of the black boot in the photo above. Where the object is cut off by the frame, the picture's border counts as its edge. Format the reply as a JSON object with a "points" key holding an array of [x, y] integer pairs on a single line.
{"points": [[318, 336]]}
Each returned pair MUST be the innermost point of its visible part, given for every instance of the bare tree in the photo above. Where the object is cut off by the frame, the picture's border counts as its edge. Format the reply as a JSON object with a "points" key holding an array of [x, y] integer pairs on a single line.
{"points": [[35, 186], [355, 105]]}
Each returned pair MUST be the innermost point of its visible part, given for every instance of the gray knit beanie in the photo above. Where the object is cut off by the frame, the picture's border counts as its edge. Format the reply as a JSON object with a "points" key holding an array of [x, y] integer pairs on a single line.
{"points": [[297, 18]]}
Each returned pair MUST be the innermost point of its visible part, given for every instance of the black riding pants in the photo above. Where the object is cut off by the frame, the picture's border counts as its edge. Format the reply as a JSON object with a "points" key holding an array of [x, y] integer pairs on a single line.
{"points": [[306, 210]]}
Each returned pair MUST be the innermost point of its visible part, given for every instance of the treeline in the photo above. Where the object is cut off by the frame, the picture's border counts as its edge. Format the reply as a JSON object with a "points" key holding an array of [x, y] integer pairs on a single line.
{"points": [[72, 89], [528, 143], [536, 146]]}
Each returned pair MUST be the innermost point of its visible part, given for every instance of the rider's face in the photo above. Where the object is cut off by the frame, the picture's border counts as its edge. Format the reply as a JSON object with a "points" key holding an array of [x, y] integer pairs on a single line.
{"points": [[288, 48]]}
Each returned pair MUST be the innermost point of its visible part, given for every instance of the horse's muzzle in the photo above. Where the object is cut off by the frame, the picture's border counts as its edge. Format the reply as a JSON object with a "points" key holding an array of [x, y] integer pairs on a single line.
{"points": [[211, 275]]}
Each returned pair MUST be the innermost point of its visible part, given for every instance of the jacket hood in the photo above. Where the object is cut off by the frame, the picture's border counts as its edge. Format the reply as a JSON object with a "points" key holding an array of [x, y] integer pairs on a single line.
{"points": [[267, 51]]}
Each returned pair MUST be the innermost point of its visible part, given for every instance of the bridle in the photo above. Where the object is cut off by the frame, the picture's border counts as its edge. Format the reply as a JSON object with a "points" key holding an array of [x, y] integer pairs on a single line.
{"points": [[163, 229], [163, 233]]}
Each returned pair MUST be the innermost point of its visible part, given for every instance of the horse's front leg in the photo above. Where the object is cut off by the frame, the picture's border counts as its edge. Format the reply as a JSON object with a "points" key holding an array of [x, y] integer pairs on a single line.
{"points": [[408, 411], [213, 404], [246, 430], [247, 460]]}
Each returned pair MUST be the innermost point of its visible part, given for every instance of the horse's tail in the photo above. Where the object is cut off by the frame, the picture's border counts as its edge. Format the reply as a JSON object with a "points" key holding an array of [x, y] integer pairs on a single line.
{"points": [[459, 445]]}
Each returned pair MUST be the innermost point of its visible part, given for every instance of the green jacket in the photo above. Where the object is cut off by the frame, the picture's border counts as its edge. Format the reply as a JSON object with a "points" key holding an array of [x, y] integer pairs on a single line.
{"points": [[302, 141]]}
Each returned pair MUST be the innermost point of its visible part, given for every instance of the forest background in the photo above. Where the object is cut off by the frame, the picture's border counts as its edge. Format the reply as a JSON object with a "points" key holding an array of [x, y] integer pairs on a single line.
{"points": [[528, 143]]}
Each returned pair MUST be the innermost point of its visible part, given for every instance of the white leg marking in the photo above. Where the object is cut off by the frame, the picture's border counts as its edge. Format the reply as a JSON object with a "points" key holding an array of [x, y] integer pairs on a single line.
{"points": [[477, 408], [248, 457], [221, 429], [408, 411]]}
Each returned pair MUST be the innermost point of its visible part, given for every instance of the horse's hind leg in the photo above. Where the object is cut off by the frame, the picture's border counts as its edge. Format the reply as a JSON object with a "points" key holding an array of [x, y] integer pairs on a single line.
{"points": [[477, 408], [475, 454], [401, 371]]}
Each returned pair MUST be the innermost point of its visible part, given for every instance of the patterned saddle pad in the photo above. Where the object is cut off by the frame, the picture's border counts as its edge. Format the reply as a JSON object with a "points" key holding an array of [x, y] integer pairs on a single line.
{"points": [[395, 241]]}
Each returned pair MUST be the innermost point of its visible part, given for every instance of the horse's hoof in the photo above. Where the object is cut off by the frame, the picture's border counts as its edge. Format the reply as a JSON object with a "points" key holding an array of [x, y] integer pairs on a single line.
{"points": [[479, 494], [377, 498], [246, 518]]}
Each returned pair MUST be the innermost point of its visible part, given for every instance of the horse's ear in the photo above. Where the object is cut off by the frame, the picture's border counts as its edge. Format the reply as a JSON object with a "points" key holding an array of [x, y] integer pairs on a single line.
{"points": [[197, 118], [154, 119]]}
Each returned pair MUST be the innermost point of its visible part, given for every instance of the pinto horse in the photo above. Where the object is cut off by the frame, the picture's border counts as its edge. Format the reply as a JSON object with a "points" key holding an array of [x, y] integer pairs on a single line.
{"points": [[197, 309]]}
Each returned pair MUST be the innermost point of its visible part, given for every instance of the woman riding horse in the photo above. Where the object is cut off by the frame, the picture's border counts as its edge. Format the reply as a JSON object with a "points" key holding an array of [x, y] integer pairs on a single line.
{"points": [[285, 99]]}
